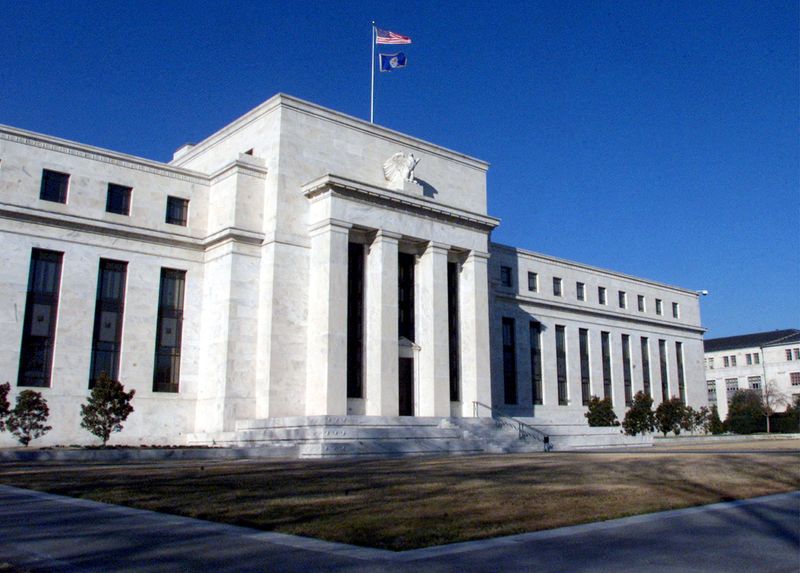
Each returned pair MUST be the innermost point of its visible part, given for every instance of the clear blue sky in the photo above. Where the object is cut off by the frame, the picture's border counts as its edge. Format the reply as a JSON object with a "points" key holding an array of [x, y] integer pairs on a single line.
{"points": [[658, 139]]}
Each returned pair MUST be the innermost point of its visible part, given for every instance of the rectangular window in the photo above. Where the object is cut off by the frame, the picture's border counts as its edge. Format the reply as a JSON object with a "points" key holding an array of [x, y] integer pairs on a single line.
{"points": [[561, 365], [659, 307], [749, 359], [601, 295], [731, 386], [712, 391], [797, 353], [605, 350], [627, 376], [645, 344], [118, 199], [733, 360], [794, 377], [676, 310], [623, 299], [177, 211], [108, 313], [681, 373], [533, 282], [662, 360], [54, 186], [788, 354], [509, 362], [405, 295], [452, 325], [355, 320], [169, 331], [580, 288], [711, 363], [586, 389], [556, 286], [505, 276], [536, 362], [39, 324], [726, 361], [754, 382], [756, 358], [640, 302]]}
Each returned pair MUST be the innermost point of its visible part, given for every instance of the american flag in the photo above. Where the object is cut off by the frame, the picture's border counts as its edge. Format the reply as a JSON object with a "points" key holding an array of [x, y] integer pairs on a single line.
{"points": [[387, 37]]}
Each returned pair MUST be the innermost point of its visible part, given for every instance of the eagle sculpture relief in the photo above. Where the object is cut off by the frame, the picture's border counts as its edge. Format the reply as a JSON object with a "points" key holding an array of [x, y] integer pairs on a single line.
{"points": [[400, 167]]}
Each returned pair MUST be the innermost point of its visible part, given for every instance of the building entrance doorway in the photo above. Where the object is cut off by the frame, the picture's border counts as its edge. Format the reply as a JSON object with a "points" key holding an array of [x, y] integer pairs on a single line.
{"points": [[406, 381]]}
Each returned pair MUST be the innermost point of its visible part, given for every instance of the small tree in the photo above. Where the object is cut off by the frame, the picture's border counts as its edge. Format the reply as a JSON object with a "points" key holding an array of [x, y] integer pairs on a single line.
{"points": [[27, 420], [688, 419], [669, 415], [702, 419], [4, 405], [746, 412], [773, 398], [640, 418], [714, 422], [106, 408], [601, 413]]}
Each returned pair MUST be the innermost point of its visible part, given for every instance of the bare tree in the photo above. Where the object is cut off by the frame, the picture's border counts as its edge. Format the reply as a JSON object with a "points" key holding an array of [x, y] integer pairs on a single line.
{"points": [[773, 398]]}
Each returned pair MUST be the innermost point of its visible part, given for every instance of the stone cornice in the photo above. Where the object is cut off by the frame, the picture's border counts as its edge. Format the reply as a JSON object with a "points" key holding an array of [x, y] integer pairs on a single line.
{"points": [[100, 155], [244, 167], [386, 197], [565, 307]]}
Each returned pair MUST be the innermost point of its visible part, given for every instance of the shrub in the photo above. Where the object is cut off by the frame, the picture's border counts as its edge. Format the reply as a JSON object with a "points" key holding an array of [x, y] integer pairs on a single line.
{"points": [[640, 418], [601, 413], [669, 416], [714, 423], [746, 414], [27, 420], [4, 405], [106, 408]]}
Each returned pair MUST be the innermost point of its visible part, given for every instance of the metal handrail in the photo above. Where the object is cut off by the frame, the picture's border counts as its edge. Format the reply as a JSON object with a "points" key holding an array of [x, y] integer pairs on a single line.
{"points": [[525, 430]]}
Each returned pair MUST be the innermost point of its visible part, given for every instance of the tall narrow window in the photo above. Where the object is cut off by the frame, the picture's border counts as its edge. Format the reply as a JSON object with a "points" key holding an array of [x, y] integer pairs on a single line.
{"points": [[355, 320], [605, 350], [601, 295], [452, 325], [505, 276], [659, 307], [533, 282], [118, 199], [405, 295], [662, 359], [54, 186], [645, 365], [712, 391], [561, 365], [536, 362], [640, 302], [556, 286], [509, 362], [169, 331], [108, 313], [756, 358], [177, 211], [586, 390], [681, 375], [39, 326], [580, 290], [676, 310], [731, 386], [623, 299], [626, 369]]}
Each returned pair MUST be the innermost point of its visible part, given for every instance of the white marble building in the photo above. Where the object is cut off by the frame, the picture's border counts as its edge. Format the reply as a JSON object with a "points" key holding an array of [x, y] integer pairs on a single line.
{"points": [[278, 269], [750, 362]]}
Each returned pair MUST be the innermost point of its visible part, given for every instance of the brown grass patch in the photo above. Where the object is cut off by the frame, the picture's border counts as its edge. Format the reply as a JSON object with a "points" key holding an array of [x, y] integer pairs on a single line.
{"points": [[406, 503]]}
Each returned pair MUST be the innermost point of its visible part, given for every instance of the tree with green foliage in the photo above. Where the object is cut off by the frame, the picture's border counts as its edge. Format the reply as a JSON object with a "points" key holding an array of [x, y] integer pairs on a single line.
{"points": [[4, 405], [746, 413], [106, 408], [669, 416], [27, 420], [601, 413], [715, 425], [640, 418], [702, 419]]}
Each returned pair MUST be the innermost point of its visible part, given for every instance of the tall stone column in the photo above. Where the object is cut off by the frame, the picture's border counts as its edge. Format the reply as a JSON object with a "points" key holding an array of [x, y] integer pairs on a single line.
{"points": [[381, 355], [476, 384], [326, 374], [431, 332]]}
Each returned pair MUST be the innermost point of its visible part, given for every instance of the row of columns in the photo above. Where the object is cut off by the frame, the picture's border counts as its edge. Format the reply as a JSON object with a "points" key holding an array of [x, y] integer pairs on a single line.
{"points": [[326, 387]]}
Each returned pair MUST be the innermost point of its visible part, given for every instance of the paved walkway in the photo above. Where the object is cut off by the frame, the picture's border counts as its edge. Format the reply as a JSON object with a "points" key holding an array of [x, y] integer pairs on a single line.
{"points": [[52, 533]]}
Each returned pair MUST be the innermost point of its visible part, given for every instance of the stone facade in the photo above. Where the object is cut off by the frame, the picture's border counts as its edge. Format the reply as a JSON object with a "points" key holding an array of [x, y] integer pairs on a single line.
{"points": [[276, 202]]}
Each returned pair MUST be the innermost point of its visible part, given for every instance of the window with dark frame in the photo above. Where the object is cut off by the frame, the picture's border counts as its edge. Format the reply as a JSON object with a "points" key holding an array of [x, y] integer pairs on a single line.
{"points": [[54, 186], [39, 323], [556, 286], [580, 289], [645, 344], [659, 307], [601, 295], [561, 365], [623, 299], [177, 211], [627, 376], [586, 390], [676, 310], [712, 391], [662, 359], [640, 299], [118, 199], [681, 374], [505, 276], [533, 282], [405, 295], [605, 351], [169, 331], [355, 320], [509, 361], [536, 362], [452, 327], [108, 316]]}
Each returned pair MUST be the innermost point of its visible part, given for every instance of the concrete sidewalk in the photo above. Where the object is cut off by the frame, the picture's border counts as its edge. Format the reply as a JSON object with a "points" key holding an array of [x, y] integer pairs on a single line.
{"points": [[52, 533]]}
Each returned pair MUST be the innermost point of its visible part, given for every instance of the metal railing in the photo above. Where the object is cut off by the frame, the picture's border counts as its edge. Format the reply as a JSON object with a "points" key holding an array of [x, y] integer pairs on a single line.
{"points": [[502, 419]]}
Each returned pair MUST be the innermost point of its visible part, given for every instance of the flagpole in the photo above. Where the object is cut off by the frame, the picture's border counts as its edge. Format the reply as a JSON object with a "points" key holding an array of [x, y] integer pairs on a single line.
{"points": [[372, 83]]}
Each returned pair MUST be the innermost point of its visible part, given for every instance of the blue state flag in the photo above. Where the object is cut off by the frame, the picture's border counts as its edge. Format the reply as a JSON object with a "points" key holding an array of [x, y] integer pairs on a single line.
{"points": [[391, 62]]}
